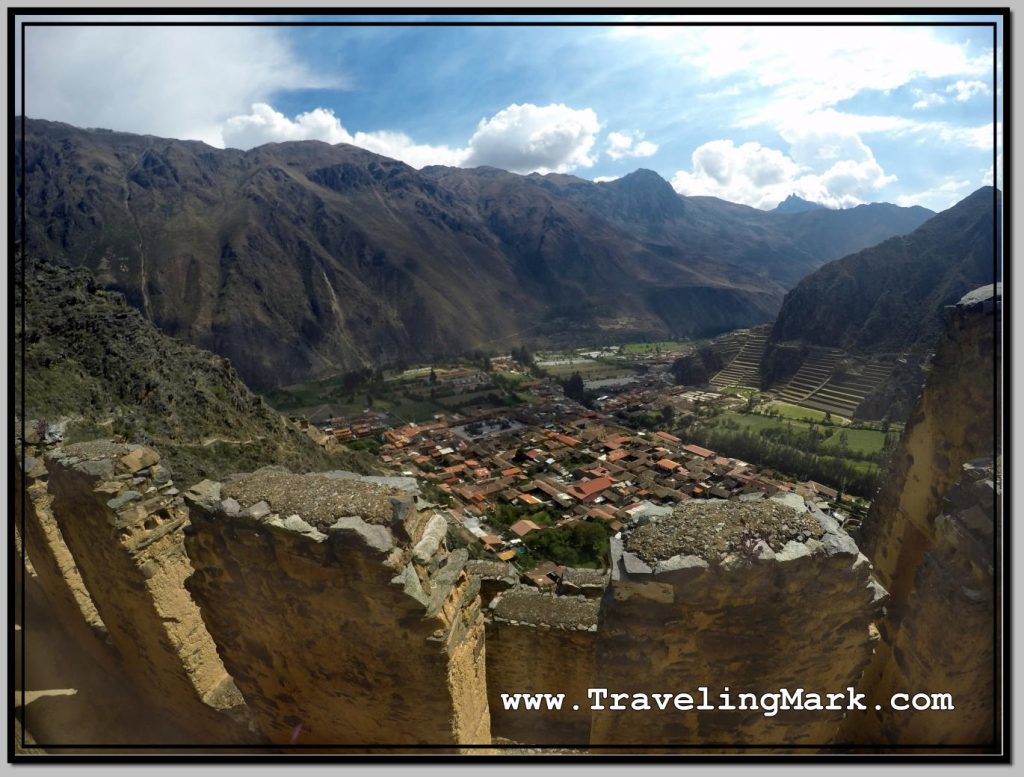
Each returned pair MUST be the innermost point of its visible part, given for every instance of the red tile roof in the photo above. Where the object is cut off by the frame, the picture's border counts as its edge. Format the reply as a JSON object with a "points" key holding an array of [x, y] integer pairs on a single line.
{"points": [[523, 527], [594, 486], [696, 450]]}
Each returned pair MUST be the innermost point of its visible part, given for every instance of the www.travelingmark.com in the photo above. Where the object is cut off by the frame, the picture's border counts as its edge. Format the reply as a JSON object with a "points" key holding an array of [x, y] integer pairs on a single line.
{"points": [[770, 704]]}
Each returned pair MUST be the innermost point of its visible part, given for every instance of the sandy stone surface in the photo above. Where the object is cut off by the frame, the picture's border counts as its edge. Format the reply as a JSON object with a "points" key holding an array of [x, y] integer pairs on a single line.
{"points": [[709, 529]]}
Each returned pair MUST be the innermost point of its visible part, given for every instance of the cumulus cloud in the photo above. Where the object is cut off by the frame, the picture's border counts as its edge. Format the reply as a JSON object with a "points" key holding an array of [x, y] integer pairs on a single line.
{"points": [[606, 178], [263, 124], [181, 82], [756, 175], [620, 145], [530, 138], [520, 138]]}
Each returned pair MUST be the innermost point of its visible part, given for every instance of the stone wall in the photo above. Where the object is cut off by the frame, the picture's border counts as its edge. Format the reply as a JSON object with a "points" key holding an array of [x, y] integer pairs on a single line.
{"points": [[55, 575], [932, 534], [541, 643], [339, 611], [121, 518], [755, 597]]}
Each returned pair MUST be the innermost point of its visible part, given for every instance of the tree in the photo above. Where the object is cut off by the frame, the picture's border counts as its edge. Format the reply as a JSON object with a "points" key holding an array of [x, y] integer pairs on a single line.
{"points": [[433, 377], [573, 387], [668, 414]]}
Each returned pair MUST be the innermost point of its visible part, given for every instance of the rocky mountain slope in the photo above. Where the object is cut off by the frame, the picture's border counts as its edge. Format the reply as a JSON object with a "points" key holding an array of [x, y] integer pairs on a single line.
{"points": [[92, 361], [298, 260], [888, 298]]}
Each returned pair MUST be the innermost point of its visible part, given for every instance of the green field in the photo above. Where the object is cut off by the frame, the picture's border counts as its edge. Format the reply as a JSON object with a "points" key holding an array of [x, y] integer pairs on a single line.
{"points": [[588, 370], [862, 441], [662, 346], [796, 412]]}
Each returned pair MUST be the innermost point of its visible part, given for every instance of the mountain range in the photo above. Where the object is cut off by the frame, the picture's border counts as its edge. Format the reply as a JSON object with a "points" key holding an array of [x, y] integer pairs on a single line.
{"points": [[888, 298], [302, 259]]}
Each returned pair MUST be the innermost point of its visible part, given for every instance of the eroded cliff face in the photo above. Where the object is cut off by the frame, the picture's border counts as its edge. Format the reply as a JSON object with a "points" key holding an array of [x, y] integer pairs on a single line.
{"points": [[121, 518], [932, 533], [358, 630], [541, 643], [794, 608]]}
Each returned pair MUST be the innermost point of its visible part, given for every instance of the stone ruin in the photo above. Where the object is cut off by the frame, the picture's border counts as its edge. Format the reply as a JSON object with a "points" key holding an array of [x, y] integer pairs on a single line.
{"points": [[754, 596], [350, 623], [281, 611]]}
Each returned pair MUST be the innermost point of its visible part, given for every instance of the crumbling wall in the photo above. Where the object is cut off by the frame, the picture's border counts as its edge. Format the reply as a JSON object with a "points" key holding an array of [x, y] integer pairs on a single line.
{"points": [[753, 597], [55, 582], [932, 533], [121, 518], [339, 612], [541, 643]]}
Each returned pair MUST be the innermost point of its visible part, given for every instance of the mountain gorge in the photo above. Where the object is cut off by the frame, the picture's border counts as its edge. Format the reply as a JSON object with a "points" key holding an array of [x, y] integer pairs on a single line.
{"points": [[301, 259]]}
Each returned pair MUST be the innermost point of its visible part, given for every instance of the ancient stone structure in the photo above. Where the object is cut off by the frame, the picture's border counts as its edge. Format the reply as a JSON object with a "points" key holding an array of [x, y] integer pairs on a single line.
{"points": [[121, 518], [339, 611], [794, 607], [932, 534], [55, 582], [541, 643]]}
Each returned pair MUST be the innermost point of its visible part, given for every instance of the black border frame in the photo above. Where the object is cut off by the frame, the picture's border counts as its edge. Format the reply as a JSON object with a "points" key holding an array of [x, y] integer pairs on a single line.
{"points": [[1001, 416]]}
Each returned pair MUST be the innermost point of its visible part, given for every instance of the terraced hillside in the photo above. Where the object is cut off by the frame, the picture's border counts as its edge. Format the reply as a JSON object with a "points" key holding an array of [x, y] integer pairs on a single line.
{"points": [[826, 381], [744, 369]]}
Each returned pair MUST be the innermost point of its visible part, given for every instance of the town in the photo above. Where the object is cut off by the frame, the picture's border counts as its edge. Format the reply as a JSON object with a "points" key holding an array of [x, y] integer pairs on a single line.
{"points": [[536, 478]]}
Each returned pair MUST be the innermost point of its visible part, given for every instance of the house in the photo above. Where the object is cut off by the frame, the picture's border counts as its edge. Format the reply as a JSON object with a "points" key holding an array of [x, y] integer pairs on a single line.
{"points": [[545, 574], [589, 490], [822, 490], [668, 465], [523, 527], [696, 450], [669, 437]]}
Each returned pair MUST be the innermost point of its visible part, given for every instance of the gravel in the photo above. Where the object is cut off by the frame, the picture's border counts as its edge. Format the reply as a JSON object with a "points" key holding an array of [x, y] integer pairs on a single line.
{"points": [[526, 605], [317, 499], [710, 529]]}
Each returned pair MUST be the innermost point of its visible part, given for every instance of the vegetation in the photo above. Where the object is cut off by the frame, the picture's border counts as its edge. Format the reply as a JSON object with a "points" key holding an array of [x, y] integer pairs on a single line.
{"points": [[581, 544], [93, 361]]}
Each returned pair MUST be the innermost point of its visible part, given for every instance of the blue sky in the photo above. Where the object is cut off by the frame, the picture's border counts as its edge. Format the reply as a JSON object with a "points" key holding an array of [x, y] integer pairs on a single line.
{"points": [[838, 115]]}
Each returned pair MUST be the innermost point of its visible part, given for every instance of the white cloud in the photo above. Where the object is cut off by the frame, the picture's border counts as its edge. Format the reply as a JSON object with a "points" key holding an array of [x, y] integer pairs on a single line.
{"points": [[940, 197], [529, 138], [606, 178], [965, 90], [621, 145], [762, 177], [180, 82], [263, 124], [521, 138], [806, 69]]}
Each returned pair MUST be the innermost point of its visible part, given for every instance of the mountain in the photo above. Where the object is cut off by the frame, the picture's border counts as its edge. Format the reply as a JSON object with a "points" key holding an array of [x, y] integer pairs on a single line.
{"points": [[299, 260], [832, 234], [94, 361], [794, 204], [889, 298]]}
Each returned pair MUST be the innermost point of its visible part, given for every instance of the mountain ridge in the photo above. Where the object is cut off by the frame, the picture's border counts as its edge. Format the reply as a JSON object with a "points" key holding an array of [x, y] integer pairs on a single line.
{"points": [[299, 259]]}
